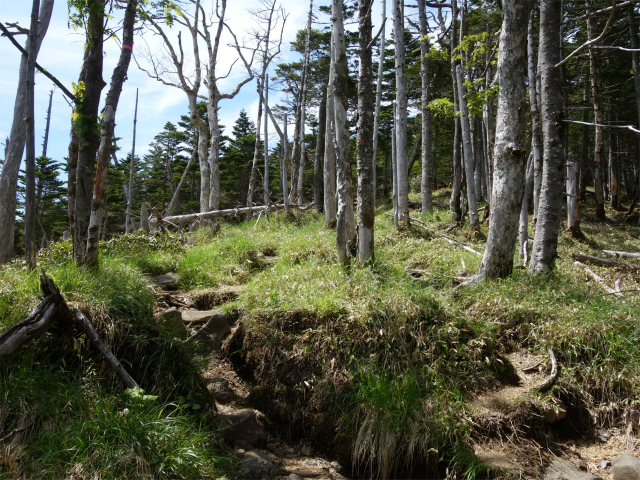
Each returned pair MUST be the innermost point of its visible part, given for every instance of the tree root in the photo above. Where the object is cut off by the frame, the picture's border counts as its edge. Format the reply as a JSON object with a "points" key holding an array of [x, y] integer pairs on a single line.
{"points": [[551, 380]]}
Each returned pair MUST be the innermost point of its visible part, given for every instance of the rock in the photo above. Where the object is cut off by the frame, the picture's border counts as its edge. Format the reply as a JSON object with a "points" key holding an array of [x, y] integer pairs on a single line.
{"points": [[293, 476], [243, 425], [626, 467], [254, 465], [220, 390], [168, 281], [215, 330], [242, 445], [591, 477], [605, 464], [266, 456], [603, 435], [336, 465], [562, 470], [554, 413], [171, 321], [192, 316], [305, 450], [581, 464], [310, 461]]}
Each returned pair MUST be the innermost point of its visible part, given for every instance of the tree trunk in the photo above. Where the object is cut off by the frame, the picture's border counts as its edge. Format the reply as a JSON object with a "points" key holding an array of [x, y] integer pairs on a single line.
{"points": [[364, 140], [87, 128], [15, 148], [584, 153], [573, 204], [535, 120], [545, 244], [635, 58], [256, 150], [176, 194], [614, 168], [318, 194], [524, 212], [345, 228], [401, 113], [456, 172], [466, 148], [509, 156], [106, 133], [330, 201], [30, 159], [265, 176], [427, 154], [283, 166], [599, 141], [132, 168], [394, 167], [376, 124]]}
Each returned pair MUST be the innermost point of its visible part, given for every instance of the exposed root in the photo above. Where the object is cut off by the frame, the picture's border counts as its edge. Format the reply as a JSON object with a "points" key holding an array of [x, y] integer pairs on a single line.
{"points": [[551, 380]]}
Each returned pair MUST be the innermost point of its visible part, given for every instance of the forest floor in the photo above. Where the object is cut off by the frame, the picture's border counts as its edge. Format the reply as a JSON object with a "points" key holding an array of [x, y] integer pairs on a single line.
{"points": [[300, 367]]}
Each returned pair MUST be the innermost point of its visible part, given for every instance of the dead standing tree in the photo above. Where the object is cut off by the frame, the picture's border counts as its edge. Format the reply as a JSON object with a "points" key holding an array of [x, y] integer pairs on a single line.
{"points": [[16, 143]]}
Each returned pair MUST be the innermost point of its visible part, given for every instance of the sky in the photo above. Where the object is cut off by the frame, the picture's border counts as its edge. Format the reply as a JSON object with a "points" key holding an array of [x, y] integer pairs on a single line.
{"points": [[61, 54]]}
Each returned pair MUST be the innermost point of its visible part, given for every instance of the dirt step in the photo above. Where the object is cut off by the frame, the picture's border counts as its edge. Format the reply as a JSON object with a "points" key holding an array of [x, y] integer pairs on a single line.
{"points": [[214, 297]]}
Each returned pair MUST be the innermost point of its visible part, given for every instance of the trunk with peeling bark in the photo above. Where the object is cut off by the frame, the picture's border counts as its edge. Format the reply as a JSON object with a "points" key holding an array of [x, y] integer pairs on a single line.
{"points": [[402, 160], [545, 243], [427, 154], [16, 143], [106, 135], [132, 168], [599, 140], [330, 201], [376, 124], [524, 212], [87, 128], [364, 139], [509, 155], [345, 227]]}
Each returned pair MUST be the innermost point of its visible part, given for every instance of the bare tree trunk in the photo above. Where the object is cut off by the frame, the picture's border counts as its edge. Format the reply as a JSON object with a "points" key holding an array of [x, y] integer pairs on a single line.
{"points": [[318, 171], [535, 120], [524, 212], [176, 193], [427, 154], [584, 157], [401, 113], [330, 201], [15, 147], [599, 142], [345, 229], [89, 138], [106, 135], [394, 167], [614, 168], [265, 176], [283, 165], [132, 168], [30, 159], [456, 172], [466, 148], [256, 150], [376, 124], [303, 103], [364, 140], [509, 157], [45, 142]]}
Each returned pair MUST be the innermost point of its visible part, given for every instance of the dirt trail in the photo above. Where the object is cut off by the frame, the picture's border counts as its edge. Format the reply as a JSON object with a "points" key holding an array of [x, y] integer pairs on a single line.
{"points": [[260, 455]]}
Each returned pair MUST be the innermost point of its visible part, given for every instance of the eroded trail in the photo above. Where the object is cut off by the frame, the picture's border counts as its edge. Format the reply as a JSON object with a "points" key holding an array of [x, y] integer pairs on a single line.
{"points": [[261, 452]]}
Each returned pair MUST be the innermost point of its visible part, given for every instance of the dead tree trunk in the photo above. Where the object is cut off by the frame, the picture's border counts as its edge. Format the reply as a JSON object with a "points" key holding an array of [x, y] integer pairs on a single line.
{"points": [[318, 175], [132, 168], [376, 124], [256, 150], [573, 203], [330, 200], [535, 120], [15, 147], [364, 139], [509, 157], [176, 194], [427, 154], [106, 135], [635, 58]]}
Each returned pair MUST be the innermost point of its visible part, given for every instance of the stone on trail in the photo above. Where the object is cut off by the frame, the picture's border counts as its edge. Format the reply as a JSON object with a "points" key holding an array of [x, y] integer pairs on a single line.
{"points": [[257, 465], [171, 321], [562, 470], [626, 467], [215, 329], [168, 281], [243, 425]]}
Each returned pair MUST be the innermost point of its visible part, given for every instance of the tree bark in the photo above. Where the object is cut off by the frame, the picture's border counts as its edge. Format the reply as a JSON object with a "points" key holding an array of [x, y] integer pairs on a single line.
{"points": [[524, 212], [330, 200], [599, 140], [364, 139], [132, 168], [509, 156], [256, 150], [318, 171], [303, 104], [535, 119], [87, 128], [427, 154], [401, 113], [635, 59], [106, 135], [584, 153], [345, 228], [545, 243], [265, 176], [573, 204], [15, 147], [176, 194], [30, 159]]}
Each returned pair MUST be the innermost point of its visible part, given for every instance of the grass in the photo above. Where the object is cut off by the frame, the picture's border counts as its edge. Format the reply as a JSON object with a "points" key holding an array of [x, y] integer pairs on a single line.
{"points": [[372, 365]]}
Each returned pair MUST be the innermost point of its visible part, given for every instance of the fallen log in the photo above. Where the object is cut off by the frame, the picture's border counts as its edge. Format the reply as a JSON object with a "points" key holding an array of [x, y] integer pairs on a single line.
{"points": [[594, 276], [229, 212], [446, 238], [615, 254], [53, 309], [603, 262]]}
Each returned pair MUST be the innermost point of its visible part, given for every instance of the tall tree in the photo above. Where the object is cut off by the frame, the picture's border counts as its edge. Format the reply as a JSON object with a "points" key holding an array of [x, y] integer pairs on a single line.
{"points": [[545, 243], [402, 159], [427, 153], [107, 126], [132, 167], [16, 143], [509, 155], [364, 140]]}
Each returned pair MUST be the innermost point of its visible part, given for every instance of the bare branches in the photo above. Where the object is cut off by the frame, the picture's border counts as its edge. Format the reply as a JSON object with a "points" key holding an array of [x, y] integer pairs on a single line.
{"points": [[628, 127]]}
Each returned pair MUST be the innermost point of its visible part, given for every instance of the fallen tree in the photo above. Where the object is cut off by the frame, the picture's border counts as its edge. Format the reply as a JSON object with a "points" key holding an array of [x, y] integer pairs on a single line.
{"points": [[229, 212], [53, 309], [603, 262]]}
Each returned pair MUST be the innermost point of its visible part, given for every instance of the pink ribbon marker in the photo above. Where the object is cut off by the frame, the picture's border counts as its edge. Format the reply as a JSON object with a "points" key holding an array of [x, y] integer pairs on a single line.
{"points": [[130, 47]]}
